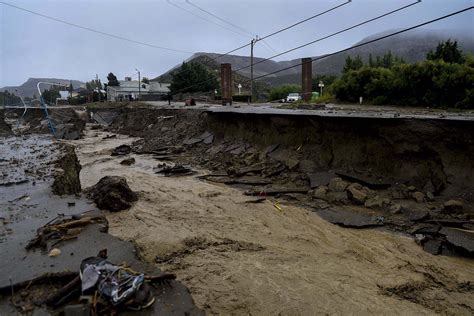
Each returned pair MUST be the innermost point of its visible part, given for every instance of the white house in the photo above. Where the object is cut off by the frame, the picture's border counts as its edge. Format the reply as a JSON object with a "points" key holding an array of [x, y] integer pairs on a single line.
{"points": [[130, 90]]}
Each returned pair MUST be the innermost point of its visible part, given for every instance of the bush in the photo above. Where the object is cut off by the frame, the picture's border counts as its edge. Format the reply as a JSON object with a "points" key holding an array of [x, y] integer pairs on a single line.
{"points": [[282, 92], [430, 83]]}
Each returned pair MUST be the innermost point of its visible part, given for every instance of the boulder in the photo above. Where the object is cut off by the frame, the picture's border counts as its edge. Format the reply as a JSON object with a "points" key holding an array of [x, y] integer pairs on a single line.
{"points": [[320, 192], [128, 162], [356, 194], [453, 205], [419, 197], [66, 174], [337, 197], [338, 185], [121, 150], [112, 193], [376, 202]]}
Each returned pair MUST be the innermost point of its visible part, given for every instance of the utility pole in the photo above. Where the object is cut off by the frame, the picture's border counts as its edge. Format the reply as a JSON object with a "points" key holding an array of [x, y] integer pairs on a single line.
{"points": [[97, 84], [251, 68], [139, 85]]}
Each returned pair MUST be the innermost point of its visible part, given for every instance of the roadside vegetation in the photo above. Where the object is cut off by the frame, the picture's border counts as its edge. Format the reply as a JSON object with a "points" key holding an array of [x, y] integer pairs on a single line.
{"points": [[443, 80], [193, 77]]}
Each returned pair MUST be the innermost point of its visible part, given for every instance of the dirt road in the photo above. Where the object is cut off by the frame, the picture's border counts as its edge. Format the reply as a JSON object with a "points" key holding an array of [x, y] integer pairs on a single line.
{"points": [[246, 258]]}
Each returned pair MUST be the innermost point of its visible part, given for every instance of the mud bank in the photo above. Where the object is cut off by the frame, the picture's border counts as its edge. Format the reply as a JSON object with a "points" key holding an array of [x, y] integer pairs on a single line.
{"points": [[238, 257], [424, 153], [34, 170]]}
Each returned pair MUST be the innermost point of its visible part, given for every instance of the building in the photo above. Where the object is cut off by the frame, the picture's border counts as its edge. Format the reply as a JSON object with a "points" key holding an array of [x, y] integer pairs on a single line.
{"points": [[130, 91]]}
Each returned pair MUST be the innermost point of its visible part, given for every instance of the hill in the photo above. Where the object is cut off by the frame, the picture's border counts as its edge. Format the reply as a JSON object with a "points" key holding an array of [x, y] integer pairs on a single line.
{"points": [[29, 89], [411, 46]]}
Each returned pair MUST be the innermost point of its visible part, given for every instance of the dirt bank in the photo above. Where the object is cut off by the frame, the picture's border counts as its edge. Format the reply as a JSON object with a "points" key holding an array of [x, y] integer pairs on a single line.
{"points": [[239, 257], [422, 153]]}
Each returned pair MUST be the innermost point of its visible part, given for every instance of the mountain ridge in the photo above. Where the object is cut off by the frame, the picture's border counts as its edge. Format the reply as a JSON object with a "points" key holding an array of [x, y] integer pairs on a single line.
{"points": [[412, 47], [29, 87]]}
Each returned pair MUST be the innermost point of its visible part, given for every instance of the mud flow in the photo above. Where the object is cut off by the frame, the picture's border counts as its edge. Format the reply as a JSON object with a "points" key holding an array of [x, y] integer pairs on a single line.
{"points": [[248, 214]]}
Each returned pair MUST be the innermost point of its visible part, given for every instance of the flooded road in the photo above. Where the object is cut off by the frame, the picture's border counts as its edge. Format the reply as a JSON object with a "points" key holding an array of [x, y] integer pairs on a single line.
{"points": [[241, 258]]}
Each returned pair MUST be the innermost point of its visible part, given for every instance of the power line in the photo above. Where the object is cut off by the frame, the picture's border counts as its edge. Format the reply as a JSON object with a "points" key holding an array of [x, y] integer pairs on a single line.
{"points": [[352, 47], [287, 28], [370, 42], [228, 22], [97, 31], [202, 18], [276, 32], [218, 17], [331, 35], [334, 34]]}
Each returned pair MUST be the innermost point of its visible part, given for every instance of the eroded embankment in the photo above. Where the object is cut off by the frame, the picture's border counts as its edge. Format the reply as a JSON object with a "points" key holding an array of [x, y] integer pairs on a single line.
{"points": [[435, 155], [241, 257]]}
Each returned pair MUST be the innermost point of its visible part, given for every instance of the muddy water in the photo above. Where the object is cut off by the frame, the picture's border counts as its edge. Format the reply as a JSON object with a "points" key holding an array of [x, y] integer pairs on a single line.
{"points": [[241, 258]]}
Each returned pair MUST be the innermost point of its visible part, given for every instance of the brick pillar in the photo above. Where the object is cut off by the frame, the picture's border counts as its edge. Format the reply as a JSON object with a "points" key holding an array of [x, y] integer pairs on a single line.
{"points": [[226, 84], [306, 78]]}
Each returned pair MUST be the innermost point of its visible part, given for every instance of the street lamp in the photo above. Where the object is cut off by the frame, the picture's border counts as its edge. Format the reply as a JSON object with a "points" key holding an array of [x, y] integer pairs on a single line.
{"points": [[321, 86], [240, 87]]}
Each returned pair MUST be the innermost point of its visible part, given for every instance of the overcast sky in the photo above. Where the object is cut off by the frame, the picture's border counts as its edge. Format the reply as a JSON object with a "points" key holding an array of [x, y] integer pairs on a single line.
{"points": [[33, 46]]}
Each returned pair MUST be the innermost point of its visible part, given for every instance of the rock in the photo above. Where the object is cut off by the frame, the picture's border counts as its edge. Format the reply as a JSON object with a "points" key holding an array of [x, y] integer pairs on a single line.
{"points": [[453, 205], [429, 196], [419, 197], [121, 150], [128, 162], [319, 178], [291, 163], [66, 176], [320, 192], [376, 202], [337, 197], [395, 208], [54, 252], [350, 219], [338, 185], [432, 245], [355, 194], [112, 193], [463, 241]]}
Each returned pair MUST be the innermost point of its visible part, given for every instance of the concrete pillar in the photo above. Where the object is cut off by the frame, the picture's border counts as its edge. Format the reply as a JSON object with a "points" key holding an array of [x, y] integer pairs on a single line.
{"points": [[226, 84], [306, 78]]}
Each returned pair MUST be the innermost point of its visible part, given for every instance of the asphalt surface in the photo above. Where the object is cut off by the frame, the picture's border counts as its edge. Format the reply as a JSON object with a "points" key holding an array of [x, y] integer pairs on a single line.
{"points": [[342, 111]]}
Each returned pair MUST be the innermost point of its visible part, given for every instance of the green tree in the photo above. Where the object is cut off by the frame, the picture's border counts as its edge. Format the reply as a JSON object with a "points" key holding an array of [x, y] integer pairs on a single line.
{"points": [[50, 95], [448, 52], [146, 80], [112, 80], [352, 63], [193, 77]]}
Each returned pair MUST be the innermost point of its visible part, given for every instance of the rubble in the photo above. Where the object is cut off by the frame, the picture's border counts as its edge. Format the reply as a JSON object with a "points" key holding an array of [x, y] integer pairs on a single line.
{"points": [[112, 193], [121, 150], [356, 194], [351, 219], [128, 162], [418, 197], [174, 170], [453, 206], [66, 175], [338, 185]]}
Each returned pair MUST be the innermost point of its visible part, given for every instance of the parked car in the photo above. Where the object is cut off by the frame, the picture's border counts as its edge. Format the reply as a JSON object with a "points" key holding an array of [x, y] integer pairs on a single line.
{"points": [[292, 97]]}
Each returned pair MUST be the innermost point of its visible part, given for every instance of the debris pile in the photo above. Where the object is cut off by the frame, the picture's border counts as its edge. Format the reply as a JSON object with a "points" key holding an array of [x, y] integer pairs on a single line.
{"points": [[66, 173], [63, 228], [112, 193]]}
